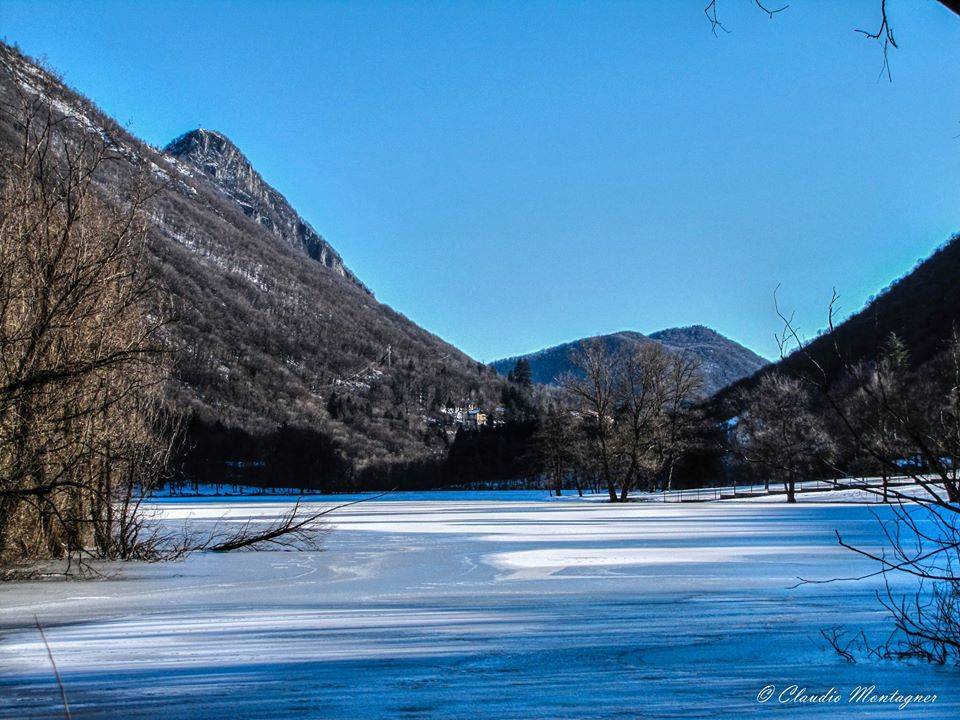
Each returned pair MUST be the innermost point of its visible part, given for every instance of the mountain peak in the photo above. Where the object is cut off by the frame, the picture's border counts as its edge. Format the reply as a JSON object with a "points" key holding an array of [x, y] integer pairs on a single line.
{"points": [[688, 334], [195, 134], [199, 143], [216, 156]]}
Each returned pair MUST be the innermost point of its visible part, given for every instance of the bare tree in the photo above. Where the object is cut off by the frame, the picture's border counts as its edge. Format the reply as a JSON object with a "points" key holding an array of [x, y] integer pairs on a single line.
{"points": [[684, 384], [641, 400], [906, 421], [554, 441], [873, 382], [594, 390], [883, 34], [636, 407], [82, 362], [778, 431]]}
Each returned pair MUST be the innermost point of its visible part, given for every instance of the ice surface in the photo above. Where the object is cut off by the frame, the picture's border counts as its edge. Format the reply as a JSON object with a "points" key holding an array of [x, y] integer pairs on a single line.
{"points": [[469, 605]]}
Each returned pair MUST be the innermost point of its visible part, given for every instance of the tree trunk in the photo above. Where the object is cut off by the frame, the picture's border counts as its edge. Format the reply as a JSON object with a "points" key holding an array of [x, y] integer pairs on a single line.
{"points": [[953, 492], [575, 476]]}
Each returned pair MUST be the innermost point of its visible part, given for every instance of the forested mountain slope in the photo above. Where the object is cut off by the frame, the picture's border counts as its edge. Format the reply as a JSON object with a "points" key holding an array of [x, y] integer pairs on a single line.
{"points": [[271, 330], [723, 361], [922, 308]]}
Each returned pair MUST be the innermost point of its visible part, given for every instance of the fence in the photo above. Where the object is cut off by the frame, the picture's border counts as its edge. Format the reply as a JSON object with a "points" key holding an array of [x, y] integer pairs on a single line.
{"points": [[729, 492]]}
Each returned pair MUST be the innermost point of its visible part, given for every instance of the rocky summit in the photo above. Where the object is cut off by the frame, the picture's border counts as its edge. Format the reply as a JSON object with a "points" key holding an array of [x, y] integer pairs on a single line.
{"points": [[221, 161]]}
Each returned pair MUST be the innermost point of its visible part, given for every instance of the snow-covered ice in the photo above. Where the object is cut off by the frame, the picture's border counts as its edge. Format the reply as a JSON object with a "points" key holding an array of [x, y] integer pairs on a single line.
{"points": [[470, 605]]}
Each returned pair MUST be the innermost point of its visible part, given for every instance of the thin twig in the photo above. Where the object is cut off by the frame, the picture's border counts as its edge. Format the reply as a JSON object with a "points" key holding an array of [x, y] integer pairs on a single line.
{"points": [[56, 673]]}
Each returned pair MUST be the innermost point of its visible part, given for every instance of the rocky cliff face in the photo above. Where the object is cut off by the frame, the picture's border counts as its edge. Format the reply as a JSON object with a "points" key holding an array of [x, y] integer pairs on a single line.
{"points": [[221, 161]]}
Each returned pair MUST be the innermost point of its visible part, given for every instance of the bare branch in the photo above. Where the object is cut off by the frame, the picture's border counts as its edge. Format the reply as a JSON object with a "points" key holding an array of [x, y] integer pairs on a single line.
{"points": [[884, 35]]}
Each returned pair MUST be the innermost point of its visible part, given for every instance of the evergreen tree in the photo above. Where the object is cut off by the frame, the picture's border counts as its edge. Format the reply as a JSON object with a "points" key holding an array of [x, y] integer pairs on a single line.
{"points": [[521, 373], [895, 354]]}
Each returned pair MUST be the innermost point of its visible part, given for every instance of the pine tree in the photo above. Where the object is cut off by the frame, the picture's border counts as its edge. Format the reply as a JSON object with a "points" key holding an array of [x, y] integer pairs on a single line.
{"points": [[522, 374]]}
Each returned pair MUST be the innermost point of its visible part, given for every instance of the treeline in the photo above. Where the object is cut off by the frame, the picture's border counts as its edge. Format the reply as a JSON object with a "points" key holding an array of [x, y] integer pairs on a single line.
{"points": [[884, 417], [313, 458], [627, 420]]}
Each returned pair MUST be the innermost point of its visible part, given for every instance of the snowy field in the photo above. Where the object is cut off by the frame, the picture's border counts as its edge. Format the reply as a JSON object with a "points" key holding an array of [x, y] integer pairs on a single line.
{"points": [[471, 605]]}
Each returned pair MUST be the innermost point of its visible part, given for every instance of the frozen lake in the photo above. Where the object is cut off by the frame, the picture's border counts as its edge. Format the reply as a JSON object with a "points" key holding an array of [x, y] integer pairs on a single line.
{"points": [[457, 605]]}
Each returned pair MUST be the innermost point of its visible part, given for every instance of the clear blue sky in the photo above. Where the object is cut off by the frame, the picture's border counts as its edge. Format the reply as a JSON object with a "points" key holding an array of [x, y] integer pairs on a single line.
{"points": [[513, 175]]}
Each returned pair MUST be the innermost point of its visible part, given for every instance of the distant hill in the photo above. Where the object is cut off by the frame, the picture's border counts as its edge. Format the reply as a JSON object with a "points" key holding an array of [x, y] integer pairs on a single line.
{"points": [[922, 308], [723, 360], [272, 329]]}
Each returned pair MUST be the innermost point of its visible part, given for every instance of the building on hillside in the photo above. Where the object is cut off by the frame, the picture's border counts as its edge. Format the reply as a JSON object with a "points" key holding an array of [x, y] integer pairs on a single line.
{"points": [[467, 416], [474, 418]]}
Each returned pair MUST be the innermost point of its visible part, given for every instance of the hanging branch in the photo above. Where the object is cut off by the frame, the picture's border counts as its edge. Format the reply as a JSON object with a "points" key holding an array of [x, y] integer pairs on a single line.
{"points": [[711, 12], [884, 35]]}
